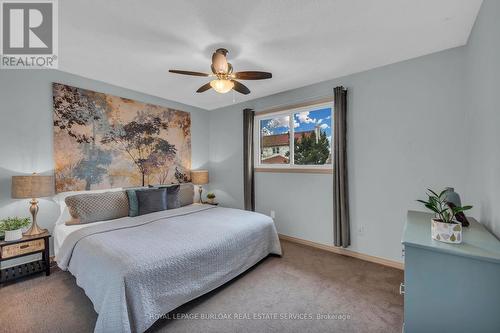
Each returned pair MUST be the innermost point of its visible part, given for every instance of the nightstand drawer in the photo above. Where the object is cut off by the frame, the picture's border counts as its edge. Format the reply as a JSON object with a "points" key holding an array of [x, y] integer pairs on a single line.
{"points": [[13, 250]]}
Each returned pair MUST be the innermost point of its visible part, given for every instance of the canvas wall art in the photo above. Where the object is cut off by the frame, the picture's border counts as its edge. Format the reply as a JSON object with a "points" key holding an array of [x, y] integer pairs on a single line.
{"points": [[103, 141]]}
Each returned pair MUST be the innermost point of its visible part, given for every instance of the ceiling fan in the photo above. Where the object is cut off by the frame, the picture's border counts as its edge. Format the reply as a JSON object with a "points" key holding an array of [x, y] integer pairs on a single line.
{"points": [[225, 78]]}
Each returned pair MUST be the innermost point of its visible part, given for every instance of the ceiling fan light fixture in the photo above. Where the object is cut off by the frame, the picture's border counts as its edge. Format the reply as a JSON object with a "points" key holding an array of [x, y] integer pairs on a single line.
{"points": [[222, 86], [225, 79]]}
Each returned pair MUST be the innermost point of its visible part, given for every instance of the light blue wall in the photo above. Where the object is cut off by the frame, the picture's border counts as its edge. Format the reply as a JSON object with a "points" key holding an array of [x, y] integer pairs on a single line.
{"points": [[26, 130], [482, 56], [430, 121], [405, 126]]}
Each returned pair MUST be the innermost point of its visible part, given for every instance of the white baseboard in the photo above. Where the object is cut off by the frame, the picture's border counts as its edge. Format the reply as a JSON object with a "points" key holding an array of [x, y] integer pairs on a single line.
{"points": [[346, 252]]}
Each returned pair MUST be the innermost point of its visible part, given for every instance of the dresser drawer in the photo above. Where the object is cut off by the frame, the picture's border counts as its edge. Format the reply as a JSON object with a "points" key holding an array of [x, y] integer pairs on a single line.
{"points": [[13, 250]]}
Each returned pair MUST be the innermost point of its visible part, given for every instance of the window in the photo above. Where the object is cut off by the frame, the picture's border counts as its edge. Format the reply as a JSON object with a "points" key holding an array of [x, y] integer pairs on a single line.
{"points": [[311, 146], [275, 140]]}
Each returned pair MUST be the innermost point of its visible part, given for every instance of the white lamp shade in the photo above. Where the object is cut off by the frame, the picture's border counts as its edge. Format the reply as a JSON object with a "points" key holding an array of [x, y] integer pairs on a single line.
{"points": [[222, 86]]}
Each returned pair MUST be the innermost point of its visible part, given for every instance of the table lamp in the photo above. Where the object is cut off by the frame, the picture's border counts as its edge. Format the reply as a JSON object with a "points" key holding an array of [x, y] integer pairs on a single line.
{"points": [[33, 186], [199, 177]]}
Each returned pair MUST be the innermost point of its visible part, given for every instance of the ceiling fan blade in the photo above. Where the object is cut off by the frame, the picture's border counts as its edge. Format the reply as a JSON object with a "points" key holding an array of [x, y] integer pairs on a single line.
{"points": [[204, 88], [219, 62], [241, 88], [252, 75], [187, 72]]}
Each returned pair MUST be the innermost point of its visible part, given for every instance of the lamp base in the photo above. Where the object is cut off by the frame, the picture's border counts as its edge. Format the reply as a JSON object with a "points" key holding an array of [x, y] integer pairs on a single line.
{"points": [[34, 229], [200, 190]]}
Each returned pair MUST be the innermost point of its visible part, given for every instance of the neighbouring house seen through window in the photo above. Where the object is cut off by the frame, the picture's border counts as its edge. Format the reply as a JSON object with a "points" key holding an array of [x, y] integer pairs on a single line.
{"points": [[275, 140], [311, 130]]}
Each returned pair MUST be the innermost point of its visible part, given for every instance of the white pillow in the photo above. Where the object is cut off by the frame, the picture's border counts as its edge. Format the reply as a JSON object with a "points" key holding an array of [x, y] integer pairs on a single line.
{"points": [[61, 197], [64, 216]]}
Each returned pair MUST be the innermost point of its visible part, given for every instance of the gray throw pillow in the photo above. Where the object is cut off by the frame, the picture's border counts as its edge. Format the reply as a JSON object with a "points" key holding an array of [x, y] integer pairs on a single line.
{"points": [[94, 207], [178, 195], [152, 200], [173, 199], [132, 200]]}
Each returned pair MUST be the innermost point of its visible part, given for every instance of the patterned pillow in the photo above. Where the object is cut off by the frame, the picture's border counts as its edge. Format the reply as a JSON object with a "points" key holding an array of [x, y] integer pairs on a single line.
{"points": [[94, 207], [152, 200]]}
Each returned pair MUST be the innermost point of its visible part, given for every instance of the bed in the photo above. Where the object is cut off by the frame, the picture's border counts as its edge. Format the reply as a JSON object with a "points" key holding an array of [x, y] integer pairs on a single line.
{"points": [[136, 269]]}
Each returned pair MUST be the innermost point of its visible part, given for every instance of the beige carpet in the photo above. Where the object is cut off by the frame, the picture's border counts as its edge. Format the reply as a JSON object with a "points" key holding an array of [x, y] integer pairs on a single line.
{"points": [[356, 295]]}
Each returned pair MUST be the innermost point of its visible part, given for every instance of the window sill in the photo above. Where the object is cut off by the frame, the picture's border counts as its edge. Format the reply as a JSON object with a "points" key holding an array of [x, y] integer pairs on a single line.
{"points": [[295, 170]]}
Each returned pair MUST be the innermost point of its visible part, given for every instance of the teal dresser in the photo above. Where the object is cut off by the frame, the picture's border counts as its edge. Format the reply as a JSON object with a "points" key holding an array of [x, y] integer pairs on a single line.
{"points": [[447, 287]]}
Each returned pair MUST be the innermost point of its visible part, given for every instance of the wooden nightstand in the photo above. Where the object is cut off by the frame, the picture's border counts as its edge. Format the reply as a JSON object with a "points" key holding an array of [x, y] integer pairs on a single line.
{"points": [[25, 246]]}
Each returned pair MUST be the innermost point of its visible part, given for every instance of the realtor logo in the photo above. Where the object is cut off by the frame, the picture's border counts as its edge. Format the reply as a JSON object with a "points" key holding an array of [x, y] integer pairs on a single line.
{"points": [[29, 34]]}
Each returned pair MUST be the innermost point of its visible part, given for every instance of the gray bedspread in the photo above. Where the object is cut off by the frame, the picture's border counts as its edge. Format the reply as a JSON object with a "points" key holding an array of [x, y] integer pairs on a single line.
{"points": [[137, 269]]}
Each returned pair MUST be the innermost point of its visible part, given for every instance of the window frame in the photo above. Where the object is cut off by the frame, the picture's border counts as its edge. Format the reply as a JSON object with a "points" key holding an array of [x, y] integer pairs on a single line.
{"points": [[291, 166]]}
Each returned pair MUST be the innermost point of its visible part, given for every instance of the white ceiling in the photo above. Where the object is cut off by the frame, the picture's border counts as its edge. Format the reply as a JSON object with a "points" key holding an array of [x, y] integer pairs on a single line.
{"points": [[133, 44]]}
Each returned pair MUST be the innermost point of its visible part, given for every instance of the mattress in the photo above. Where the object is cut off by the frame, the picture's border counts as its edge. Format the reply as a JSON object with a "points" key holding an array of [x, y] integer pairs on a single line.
{"points": [[61, 231]]}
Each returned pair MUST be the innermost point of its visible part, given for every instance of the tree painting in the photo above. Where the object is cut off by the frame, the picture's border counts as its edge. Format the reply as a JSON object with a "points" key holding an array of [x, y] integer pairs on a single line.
{"points": [[141, 141], [103, 141], [75, 109]]}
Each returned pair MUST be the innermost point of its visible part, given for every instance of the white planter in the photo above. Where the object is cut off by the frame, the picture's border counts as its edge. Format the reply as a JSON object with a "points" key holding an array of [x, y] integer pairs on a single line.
{"points": [[446, 232], [13, 235]]}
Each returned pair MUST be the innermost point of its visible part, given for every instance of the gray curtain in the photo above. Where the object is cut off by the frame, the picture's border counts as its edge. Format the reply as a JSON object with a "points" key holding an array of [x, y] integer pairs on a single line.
{"points": [[341, 225], [248, 151]]}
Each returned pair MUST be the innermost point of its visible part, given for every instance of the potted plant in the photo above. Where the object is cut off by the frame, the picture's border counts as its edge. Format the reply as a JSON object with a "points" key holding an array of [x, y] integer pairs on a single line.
{"points": [[11, 227], [444, 226], [211, 197]]}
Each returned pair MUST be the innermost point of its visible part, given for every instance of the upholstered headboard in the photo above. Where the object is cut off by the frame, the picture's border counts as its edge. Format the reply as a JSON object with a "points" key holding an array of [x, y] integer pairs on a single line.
{"points": [[186, 194]]}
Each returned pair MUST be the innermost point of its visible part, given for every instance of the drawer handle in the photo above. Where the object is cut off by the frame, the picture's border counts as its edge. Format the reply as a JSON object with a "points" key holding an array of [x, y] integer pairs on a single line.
{"points": [[24, 246], [401, 288]]}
